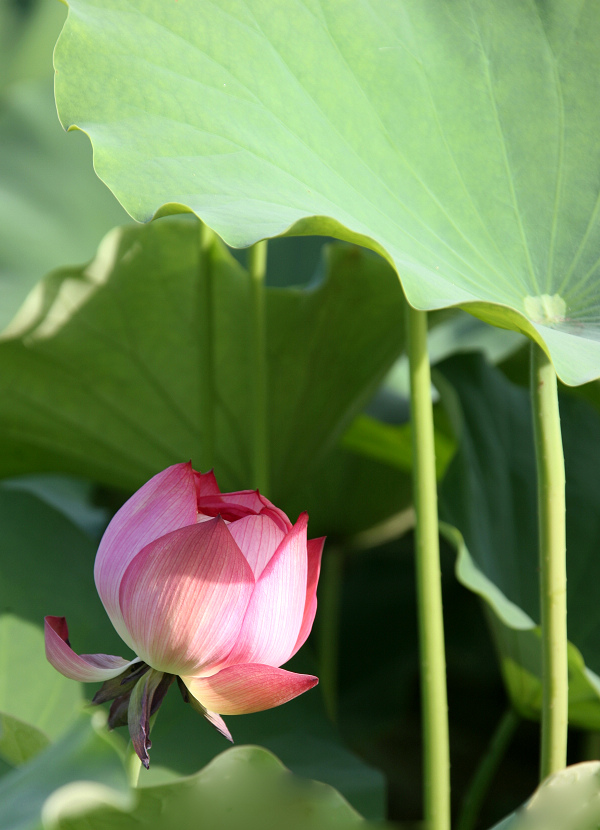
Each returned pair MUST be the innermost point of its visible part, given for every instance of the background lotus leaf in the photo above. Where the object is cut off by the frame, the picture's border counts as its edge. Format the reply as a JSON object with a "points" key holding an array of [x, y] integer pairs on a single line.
{"points": [[103, 371], [489, 497], [456, 138]]}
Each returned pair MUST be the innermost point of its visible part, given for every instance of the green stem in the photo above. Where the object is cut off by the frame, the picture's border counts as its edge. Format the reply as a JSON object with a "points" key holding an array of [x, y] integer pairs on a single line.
{"points": [[486, 771], [330, 584], [257, 267], [552, 562], [206, 335], [434, 700], [133, 765]]}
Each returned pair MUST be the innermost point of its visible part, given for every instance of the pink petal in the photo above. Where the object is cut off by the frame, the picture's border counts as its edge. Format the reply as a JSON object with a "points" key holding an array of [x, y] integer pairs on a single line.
{"points": [[184, 597], [165, 503], [206, 484], [232, 506], [258, 537], [315, 550], [274, 616], [88, 668], [239, 690], [219, 724]]}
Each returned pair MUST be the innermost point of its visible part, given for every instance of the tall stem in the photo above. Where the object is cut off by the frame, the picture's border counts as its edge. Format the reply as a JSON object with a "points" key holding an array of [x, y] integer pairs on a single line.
{"points": [[257, 266], [552, 561], [429, 590], [206, 335]]}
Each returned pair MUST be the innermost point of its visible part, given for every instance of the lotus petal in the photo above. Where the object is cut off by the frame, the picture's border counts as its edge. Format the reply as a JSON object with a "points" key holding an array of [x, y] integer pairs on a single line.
{"points": [[274, 616], [315, 551], [232, 506], [239, 690], [165, 503], [184, 596], [87, 668], [258, 537]]}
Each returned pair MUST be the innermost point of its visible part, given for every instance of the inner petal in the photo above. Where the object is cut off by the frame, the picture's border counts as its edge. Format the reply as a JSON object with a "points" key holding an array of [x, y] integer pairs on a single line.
{"points": [[258, 537]]}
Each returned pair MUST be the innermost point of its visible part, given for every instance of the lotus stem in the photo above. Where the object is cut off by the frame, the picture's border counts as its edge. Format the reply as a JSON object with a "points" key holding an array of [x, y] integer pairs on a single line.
{"points": [[133, 766], [487, 769], [257, 267], [206, 334], [552, 562], [436, 750]]}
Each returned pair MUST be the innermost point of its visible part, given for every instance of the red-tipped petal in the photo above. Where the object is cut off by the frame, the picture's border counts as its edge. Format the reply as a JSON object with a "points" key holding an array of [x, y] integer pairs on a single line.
{"points": [[183, 598], [315, 551], [239, 690], [233, 506], [274, 616], [206, 484], [258, 537], [87, 668], [165, 503]]}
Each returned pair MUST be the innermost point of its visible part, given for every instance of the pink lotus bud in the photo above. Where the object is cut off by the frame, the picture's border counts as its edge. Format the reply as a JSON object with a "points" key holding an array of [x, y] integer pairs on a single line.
{"points": [[215, 589]]}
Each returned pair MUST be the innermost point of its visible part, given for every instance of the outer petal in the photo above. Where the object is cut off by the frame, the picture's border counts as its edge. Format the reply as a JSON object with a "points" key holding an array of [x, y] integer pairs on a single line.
{"points": [[165, 503], [258, 537], [239, 690], [315, 551], [274, 616], [232, 506], [184, 597], [219, 724], [88, 668]]}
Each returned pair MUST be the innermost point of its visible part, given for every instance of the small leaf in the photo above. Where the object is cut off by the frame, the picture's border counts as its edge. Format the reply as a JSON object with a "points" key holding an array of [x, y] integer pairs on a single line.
{"points": [[391, 444]]}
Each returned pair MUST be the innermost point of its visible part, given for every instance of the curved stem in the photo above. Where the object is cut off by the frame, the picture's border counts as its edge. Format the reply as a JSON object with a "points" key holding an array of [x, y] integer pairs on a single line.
{"points": [[486, 771], [429, 590], [552, 560], [257, 267], [329, 626], [206, 334]]}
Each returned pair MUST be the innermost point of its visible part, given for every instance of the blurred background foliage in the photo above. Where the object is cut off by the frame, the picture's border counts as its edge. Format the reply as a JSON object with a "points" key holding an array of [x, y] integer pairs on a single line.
{"points": [[100, 388]]}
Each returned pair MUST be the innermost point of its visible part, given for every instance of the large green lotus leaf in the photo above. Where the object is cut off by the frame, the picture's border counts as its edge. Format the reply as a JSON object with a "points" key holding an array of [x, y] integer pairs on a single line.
{"points": [[569, 800], [84, 767], [457, 138], [489, 497], [53, 209], [80, 782], [101, 374], [299, 733], [245, 788]]}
